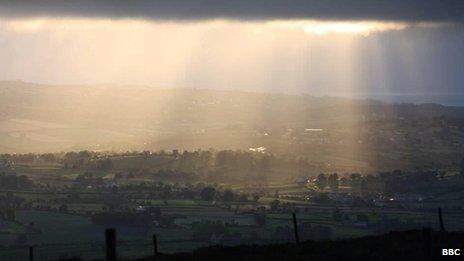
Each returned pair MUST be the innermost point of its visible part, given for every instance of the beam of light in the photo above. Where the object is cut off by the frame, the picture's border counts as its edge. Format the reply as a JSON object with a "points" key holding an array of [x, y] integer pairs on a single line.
{"points": [[316, 57], [209, 54], [286, 54]]}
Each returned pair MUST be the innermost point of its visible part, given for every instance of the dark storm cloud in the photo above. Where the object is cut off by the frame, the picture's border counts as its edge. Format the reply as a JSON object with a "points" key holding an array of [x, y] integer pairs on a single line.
{"points": [[397, 10]]}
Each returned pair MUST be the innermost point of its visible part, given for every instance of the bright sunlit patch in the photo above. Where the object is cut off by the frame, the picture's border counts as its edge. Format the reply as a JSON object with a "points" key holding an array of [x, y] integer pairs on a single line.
{"points": [[23, 25], [40, 24], [363, 28]]}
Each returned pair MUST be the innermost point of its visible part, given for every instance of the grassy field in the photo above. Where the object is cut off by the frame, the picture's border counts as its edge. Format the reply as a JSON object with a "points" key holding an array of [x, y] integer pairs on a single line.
{"points": [[68, 235], [65, 234]]}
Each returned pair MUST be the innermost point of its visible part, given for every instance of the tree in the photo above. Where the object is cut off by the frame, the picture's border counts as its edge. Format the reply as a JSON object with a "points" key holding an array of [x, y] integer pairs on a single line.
{"points": [[243, 198], [228, 196], [225, 160], [48, 157], [70, 159], [208, 193], [84, 154], [63, 208], [355, 181], [343, 181], [354, 177], [24, 182], [106, 164], [321, 181], [333, 181], [264, 168], [364, 187], [274, 205], [166, 191]]}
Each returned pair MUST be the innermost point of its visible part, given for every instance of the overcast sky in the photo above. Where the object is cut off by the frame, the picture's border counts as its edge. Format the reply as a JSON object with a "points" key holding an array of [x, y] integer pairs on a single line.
{"points": [[363, 48], [404, 10]]}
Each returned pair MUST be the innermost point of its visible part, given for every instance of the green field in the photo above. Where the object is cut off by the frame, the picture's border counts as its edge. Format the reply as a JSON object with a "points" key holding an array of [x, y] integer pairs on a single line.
{"points": [[65, 234]]}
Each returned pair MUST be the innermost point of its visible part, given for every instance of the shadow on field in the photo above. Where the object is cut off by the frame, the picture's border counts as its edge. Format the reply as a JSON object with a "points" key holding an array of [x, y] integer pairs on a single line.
{"points": [[406, 245]]}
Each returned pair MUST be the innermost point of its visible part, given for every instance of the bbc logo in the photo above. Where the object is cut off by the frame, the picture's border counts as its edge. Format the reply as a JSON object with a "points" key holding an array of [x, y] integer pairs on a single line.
{"points": [[451, 252]]}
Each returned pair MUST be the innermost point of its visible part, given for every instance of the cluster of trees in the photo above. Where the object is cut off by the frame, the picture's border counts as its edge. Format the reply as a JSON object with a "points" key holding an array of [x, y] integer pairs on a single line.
{"points": [[323, 180], [388, 182], [210, 193], [88, 179], [404, 182], [221, 166], [86, 159], [285, 207], [208, 165], [8, 181], [6, 164], [11, 201], [159, 190], [30, 158], [81, 159], [172, 175]]}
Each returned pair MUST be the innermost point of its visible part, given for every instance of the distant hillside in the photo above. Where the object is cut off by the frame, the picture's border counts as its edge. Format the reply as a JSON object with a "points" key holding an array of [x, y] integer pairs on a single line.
{"points": [[42, 118]]}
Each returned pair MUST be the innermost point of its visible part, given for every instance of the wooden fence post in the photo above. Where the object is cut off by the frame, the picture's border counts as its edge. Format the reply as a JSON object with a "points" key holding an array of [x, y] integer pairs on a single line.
{"points": [[295, 228], [440, 217], [155, 245], [110, 235]]}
